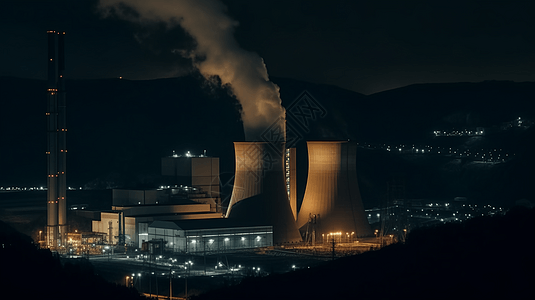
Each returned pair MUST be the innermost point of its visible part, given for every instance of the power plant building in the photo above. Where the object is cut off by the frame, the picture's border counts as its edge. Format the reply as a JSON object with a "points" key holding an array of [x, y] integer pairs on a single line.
{"points": [[332, 201], [126, 221], [116, 227], [206, 236], [132, 210], [198, 171], [126, 197]]}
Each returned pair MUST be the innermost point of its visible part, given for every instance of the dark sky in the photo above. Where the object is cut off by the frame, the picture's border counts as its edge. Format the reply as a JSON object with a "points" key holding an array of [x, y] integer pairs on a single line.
{"points": [[364, 46]]}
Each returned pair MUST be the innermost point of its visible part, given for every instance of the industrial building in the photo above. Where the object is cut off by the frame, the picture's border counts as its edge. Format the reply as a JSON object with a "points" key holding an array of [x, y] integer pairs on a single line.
{"points": [[207, 236], [133, 209], [198, 171], [126, 197], [117, 228], [263, 195], [56, 226]]}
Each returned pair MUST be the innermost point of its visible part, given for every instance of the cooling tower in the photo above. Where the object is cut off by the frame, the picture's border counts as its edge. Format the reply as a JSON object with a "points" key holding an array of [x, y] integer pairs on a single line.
{"points": [[259, 193], [332, 192]]}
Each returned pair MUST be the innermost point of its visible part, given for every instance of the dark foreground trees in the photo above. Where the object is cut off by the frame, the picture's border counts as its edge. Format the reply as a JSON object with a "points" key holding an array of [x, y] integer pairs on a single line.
{"points": [[27, 272], [483, 258]]}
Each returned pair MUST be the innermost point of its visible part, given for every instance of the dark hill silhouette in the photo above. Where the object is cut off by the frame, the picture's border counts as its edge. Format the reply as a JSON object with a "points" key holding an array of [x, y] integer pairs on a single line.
{"points": [[28, 272], [119, 129], [487, 257], [457, 105]]}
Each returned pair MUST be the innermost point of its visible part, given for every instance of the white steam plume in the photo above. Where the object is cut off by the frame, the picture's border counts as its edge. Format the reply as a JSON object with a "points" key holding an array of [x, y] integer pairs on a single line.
{"points": [[213, 31]]}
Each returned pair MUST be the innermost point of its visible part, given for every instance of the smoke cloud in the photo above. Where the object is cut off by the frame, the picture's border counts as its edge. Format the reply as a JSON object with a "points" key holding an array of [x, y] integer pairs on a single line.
{"points": [[216, 53]]}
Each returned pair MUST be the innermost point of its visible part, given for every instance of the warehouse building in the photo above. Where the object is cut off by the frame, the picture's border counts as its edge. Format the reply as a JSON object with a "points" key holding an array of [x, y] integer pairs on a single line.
{"points": [[207, 236]]}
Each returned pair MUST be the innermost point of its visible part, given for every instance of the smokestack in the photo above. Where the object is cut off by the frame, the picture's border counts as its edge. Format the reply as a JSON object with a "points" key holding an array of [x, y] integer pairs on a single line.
{"points": [[56, 150], [259, 193], [332, 192], [62, 141]]}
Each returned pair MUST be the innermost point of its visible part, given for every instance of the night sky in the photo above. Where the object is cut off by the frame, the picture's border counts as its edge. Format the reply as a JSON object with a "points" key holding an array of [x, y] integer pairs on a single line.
{"points": [[364, 46]]}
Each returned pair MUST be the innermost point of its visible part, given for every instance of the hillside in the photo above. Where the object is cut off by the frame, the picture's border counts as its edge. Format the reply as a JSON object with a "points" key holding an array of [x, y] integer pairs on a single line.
{"points": [[487, 257], [28, 272], [119, 130]]}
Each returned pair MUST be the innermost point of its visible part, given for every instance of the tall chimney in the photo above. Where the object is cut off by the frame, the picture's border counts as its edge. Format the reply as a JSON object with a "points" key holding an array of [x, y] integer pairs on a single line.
{"points": [[62, 142], [51, 114], [56, 147], [259, 194], [332, 193]]}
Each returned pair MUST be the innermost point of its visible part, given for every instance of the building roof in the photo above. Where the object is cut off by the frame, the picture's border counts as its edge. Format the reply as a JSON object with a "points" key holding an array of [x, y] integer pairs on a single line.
{"points": [[164, 224], [205, 224]]}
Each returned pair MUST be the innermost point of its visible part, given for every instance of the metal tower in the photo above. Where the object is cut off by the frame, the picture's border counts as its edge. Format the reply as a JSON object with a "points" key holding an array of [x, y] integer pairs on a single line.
{"points": [[56, 142]]}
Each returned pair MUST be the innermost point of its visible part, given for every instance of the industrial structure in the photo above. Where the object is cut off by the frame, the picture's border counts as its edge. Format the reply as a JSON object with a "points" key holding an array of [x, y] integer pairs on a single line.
{"points": [[123, 225], [133, 210], [185, 216], [201, 172], [263, 207], [332, 202], [56, 228], [260, 191], [290, 165], [206, 236], [263, 196]]}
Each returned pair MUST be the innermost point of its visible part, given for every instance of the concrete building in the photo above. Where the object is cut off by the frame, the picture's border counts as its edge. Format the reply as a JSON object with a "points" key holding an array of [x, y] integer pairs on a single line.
{"points": [[118, 228], [133, 208], [125, 197], [332, 202], [198, 171], [130, 217], [206, 236]]}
